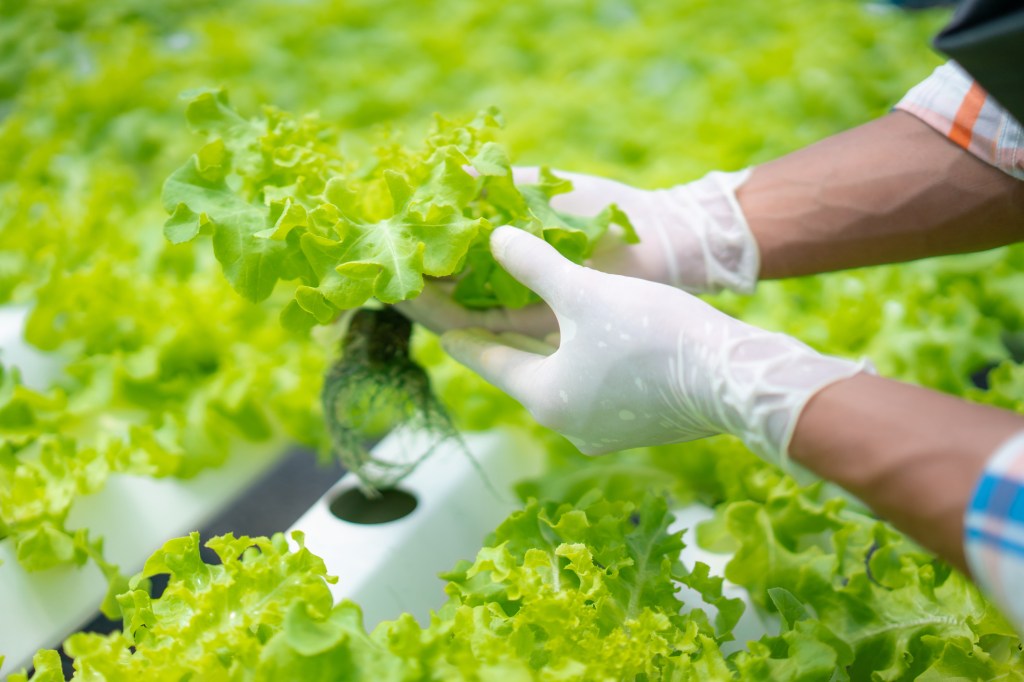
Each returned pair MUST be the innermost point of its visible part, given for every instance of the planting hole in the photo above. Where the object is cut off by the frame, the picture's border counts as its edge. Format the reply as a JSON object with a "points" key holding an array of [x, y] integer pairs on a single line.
{"points": [[355, 507]]}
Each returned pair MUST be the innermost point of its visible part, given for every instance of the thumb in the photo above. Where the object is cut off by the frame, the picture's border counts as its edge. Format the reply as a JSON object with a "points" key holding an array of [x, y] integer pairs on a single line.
{"points": [[534, 263], [510, 369]]}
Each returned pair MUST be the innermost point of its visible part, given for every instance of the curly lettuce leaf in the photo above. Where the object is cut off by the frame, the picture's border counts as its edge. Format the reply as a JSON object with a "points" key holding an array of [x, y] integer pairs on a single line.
{"points": [[283, 204], [857, 600], [211, 620], [200, 197]]}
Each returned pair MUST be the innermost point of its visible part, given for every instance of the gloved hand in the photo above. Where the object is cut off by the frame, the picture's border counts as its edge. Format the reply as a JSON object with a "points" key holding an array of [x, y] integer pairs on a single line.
{"points": [[692, 236], [641, 363]]}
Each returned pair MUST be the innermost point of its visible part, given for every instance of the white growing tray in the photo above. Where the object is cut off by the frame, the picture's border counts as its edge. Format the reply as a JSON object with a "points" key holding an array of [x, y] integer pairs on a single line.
{"points": [[391, 568]]}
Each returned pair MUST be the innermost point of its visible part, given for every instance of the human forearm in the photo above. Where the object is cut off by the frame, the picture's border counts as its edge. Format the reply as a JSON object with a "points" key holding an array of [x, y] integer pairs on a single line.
{"points": [[889, 191], [911, 454]]}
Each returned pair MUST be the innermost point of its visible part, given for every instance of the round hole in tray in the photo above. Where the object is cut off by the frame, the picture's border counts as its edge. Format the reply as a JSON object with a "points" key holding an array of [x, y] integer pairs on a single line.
{"points": [[355, 507]]}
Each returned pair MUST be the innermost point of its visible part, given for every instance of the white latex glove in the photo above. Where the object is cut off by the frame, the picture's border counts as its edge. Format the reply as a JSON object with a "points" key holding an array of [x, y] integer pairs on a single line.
{"points": [[692, 236], [641, 363]]}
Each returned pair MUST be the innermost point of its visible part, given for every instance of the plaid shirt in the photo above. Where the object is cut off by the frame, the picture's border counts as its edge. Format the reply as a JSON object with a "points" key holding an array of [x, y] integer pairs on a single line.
{"points": [[994, 530], [951, 102]]}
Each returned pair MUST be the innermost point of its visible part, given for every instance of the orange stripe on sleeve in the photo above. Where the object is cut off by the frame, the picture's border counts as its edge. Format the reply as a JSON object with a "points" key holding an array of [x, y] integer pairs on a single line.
{"points": [[967, 116]]}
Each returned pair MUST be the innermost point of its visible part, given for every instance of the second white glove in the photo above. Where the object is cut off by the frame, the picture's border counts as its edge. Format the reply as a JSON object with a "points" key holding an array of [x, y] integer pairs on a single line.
{"points": [[639, 363], [692, 236]]}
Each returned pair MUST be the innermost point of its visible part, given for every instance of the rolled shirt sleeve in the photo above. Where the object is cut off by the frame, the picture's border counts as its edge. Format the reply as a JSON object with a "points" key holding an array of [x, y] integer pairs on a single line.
{"points": [[953, 103], [994, 530]]}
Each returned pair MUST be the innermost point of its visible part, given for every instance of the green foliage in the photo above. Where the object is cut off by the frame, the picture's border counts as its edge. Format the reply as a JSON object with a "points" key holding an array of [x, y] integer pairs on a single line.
{"points": [[283, 203], [854, 598], [166, 369], [573, 591], [859, 596], [212, 620], [584, 591]]}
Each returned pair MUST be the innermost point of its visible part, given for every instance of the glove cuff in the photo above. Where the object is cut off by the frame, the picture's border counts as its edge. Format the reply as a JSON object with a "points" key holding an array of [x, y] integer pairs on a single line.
{"points": [[768, 388], [710, 210]]}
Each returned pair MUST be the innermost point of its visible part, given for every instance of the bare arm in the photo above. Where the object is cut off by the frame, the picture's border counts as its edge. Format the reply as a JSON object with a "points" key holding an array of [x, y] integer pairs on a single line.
{"points": [[889, 191], [913, 455]]}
